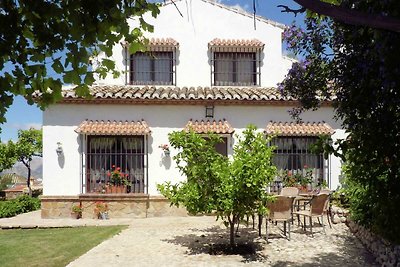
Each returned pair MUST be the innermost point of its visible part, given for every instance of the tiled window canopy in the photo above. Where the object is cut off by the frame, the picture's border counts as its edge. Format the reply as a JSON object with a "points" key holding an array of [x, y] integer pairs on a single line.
{"points": [[90, 127], [205, 126], [298, 129], [159, 44], [235, 45]]}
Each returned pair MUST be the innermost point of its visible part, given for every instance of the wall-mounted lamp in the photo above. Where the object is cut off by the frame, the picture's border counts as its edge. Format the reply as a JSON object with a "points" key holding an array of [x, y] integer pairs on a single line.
{"points": [[59, 149], [209, 111]]}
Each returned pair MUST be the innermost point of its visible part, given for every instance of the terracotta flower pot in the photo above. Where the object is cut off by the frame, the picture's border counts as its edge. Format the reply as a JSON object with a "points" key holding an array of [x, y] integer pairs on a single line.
{"points": [[76, 215]]}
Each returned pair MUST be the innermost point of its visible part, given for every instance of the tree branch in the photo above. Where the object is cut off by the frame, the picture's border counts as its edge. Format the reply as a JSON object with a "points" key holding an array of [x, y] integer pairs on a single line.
{"points": [[287, 9], [350, 16]]}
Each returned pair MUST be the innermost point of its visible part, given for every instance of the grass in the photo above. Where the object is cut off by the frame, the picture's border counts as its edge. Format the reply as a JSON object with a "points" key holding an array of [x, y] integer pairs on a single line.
{"points": [[50, 247]]}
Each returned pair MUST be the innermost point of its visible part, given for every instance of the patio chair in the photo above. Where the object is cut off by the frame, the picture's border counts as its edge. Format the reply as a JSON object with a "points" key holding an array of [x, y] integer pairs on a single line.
{"points": [[280, 211], [317, 208], [289, 191], [327, 209]]}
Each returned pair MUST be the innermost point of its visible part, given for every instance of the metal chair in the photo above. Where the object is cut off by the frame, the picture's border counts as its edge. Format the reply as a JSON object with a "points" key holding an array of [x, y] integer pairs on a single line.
{"points": [[317, 208], [280, 211]]}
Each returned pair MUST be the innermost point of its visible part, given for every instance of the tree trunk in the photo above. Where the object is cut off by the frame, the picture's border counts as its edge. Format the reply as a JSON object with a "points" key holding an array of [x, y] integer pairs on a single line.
{"points": [[28, 181], [232, 234], [232, 230]]}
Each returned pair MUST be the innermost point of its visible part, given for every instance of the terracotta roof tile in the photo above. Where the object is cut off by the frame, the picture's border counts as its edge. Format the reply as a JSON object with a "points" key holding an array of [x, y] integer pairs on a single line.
{"points": [[148, 93], [205, 126], [90, 127], [298, 129], [159, 44], [235, 45]]}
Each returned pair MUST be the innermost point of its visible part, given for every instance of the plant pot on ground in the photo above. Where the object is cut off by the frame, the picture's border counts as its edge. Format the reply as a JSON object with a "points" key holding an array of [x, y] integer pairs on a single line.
{"points": [[76, 211]]}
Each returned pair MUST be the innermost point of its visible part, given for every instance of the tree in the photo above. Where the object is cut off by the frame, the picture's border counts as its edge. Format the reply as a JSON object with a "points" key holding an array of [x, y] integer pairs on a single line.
{"points": [[43, 38], [4, 182], [7, 158], [356, 67], [29, 145], [214, 184]]}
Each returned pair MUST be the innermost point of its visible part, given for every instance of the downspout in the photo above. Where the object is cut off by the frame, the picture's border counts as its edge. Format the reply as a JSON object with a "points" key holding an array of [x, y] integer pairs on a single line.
{"points": [[126, 65], [147, 176]]}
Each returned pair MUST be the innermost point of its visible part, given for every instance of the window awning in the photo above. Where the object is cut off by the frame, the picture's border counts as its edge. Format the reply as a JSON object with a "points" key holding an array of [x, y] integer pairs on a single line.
{"points": [[235, 45], [205, 126], [159, 44], [89, 127], [298, 129]]}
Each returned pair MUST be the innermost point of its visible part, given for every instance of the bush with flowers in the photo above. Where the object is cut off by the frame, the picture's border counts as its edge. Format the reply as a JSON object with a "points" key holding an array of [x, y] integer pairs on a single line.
{"points": [[117, 177], [298, 178]]}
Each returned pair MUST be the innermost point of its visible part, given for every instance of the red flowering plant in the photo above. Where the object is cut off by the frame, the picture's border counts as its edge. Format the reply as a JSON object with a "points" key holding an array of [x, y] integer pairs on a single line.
{"points": [[117, 177], [301, 177], [164, 147]]}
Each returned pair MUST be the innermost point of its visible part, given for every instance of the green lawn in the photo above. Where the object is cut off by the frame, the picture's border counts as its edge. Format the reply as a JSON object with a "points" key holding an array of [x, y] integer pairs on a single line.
{"points": [[50, 247]]}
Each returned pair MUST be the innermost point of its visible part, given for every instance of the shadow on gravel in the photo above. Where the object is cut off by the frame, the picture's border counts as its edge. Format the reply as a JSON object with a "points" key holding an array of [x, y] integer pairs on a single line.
{"points": [[352, 254], [215, 241]]}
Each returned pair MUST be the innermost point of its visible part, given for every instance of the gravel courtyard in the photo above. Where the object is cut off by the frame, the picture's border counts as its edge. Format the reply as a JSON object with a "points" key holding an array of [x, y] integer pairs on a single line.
{"points": [[187, 241]]}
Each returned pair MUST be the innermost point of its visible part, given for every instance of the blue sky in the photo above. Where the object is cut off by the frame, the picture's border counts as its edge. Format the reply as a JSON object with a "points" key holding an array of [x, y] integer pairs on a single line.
{"points": [[23, 116]]}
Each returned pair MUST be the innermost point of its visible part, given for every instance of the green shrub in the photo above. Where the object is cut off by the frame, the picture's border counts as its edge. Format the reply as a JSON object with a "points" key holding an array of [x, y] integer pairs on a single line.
{"points": [[21, 204], [374, 199]]}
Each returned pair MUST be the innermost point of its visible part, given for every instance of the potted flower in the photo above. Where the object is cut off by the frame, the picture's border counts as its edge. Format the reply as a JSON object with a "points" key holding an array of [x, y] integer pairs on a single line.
{"points": [[298, 179], [165, 149], [101, 210], [118, 181], [76, 211]]}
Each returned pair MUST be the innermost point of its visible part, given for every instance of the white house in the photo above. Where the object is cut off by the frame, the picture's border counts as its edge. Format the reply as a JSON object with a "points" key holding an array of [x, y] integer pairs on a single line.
{"points": [[210, 69]]}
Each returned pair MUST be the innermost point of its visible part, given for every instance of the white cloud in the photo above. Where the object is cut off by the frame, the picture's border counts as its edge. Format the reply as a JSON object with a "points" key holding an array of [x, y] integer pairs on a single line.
{"points": [[243, 8], [26, 126]]}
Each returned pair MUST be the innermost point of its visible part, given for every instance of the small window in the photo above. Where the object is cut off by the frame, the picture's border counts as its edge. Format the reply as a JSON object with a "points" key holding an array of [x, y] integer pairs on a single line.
{"points": [[221, 147], [235, 68], [157, 68]]}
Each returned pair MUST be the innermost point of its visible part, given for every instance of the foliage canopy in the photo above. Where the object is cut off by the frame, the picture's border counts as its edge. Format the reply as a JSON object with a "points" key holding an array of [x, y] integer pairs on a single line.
{"points": [[357, 68]]}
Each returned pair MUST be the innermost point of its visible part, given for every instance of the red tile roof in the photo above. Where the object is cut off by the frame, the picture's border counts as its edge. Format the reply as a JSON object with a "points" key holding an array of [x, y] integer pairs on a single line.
{"points": [[205, 126], [90, 127], [171, 94], [298, 129]]}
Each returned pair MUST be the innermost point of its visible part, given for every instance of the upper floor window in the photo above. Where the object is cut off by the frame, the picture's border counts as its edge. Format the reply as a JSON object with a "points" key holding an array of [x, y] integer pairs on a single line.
{"points": [[152, 68], [235, 62], [156, 66], [235, 69]]}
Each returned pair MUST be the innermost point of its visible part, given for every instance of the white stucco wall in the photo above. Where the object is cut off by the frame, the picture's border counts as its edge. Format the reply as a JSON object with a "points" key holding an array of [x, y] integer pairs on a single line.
{"points": [[201, 23], [63, 176]]}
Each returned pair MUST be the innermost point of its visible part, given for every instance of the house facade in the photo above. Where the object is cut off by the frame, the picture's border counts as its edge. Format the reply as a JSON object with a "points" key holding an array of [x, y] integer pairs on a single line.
{"points": [[210, 70]]}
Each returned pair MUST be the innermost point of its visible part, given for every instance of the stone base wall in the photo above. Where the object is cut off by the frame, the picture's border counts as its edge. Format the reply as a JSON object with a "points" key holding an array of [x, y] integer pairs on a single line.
{"points": [[385, 253], [339, 215], [120, 206]]}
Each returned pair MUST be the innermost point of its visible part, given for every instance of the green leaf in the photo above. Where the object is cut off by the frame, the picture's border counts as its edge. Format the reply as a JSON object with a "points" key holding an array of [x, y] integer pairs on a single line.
{"points": [[57, 66]]}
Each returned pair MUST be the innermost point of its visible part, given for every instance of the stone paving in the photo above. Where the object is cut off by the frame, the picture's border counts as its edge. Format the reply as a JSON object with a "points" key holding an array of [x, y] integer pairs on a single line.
{"points": [[186, 241]]}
